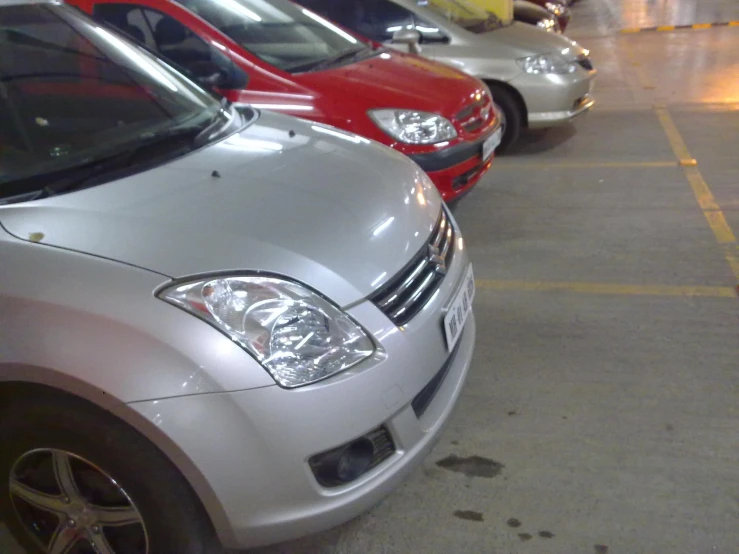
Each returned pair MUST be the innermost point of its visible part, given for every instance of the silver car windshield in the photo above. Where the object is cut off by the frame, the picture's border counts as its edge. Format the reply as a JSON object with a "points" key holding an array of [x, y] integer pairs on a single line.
{"points": [[464, 13], [280, 32], [73, 93]]}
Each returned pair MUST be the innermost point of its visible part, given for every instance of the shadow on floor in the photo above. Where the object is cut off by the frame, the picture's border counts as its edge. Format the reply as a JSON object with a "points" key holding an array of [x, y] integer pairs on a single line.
{"points": [[536, 141]]}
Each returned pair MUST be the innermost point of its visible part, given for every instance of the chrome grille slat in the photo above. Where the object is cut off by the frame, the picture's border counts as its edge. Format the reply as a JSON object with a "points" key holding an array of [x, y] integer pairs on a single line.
{"points": [[440, 233], [403, 296], [414, 296], [447, 244], [404, 286], [473, 117]]}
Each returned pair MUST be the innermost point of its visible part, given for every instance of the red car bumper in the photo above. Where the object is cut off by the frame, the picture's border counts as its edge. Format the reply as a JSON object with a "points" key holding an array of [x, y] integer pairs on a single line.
{"points": [[457, 169]]}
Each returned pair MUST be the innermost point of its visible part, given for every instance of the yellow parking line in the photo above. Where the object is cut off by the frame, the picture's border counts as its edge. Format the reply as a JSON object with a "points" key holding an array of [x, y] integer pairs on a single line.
{"points": [[583, 165], [732, 258], [608, 288], [711, 210], [680, 27]]}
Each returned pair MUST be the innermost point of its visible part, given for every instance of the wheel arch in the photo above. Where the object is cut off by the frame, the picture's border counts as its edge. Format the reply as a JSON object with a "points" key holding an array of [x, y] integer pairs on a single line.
{"points": [[35, 387], [514, 93]]}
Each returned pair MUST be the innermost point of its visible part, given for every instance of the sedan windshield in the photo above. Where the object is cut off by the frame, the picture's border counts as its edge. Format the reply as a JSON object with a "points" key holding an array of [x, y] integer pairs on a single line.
{"points": [[73, 94], [280, 32], [464, 13]]}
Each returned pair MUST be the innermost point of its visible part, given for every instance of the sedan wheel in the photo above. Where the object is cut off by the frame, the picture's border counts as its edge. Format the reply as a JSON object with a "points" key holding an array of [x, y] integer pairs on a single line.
{"points": [[67, 504], [510, 113]]}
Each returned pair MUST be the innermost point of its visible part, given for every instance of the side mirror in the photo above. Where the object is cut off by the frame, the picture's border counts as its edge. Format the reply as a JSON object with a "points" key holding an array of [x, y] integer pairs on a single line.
{"points": [[411, 37], [211, 75]]}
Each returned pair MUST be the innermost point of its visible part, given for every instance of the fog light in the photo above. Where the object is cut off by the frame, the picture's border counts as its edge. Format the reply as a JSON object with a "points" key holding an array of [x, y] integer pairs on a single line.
{"points": [[350, 461], [355, 460]]}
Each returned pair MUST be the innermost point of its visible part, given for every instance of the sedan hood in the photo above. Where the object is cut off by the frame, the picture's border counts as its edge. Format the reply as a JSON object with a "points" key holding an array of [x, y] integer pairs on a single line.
{"points": [[318, 205], [521, 39]]}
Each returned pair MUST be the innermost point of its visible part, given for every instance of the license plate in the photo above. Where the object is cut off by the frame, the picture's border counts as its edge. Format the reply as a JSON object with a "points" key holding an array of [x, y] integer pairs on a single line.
{"points": [[491, 143], [459, 310]]}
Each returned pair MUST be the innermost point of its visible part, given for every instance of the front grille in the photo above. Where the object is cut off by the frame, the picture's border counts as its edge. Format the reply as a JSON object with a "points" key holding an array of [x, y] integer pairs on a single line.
{"points": [[461, 181], [406, 294], [423, 399], [585, 63], [475, 116]]}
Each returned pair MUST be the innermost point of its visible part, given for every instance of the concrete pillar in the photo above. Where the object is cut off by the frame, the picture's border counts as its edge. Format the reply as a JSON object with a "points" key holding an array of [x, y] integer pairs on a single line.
{"points": [[502, 8]]}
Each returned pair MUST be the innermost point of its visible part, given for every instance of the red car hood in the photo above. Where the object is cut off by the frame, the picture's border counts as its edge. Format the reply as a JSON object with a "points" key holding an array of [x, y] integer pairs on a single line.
{"points": [[393, 79]]}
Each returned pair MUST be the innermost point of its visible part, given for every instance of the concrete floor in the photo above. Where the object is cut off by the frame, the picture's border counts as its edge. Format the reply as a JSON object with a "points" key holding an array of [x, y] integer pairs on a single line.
{"points": [[606, 378]]}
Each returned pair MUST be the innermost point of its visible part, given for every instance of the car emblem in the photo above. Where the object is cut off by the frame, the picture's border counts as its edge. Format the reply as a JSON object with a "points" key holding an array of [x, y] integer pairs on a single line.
{"points": [[435, 258]]}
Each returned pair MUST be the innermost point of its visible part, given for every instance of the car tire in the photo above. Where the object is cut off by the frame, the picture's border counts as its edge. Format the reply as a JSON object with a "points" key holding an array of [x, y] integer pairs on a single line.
{"points": [[114, 470], [509, 106]]}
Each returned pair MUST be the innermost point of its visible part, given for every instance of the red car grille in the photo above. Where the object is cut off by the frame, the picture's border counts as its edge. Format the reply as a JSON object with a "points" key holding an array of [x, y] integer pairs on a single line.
{"points": [[476, 115]]}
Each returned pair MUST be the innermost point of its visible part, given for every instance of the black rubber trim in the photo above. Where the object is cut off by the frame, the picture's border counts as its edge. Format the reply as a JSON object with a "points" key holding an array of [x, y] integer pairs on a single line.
{"points": [[423, 399], [449, 157]]}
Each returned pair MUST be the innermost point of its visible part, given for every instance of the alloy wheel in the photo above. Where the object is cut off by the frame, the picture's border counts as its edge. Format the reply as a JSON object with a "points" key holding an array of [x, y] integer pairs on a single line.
{"points": [[70, 506]]}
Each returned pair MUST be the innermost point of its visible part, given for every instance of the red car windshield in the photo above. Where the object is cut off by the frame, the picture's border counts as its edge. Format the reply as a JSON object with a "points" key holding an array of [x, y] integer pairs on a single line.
{"points": [[279, 32], [72, 92]]}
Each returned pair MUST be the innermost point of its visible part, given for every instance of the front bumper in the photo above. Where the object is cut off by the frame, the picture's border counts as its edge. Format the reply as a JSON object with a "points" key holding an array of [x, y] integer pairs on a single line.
{"points": [[556, 99], [457, 169], [250, 449]]}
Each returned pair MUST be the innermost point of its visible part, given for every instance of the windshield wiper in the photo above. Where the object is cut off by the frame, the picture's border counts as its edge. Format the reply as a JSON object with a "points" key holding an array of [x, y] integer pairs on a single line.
{"points": [[118, 163], [325, 63], [149, 146]]}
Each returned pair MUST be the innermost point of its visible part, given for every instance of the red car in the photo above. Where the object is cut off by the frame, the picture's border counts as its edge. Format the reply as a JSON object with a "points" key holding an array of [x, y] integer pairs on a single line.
{"points": [[298, 63]]}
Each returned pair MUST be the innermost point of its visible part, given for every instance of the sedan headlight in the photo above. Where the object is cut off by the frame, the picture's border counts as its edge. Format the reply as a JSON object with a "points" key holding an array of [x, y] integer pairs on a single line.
{"points": [[414, 127], [549, 24], [298, 336], [556, 9], [547, 63]]}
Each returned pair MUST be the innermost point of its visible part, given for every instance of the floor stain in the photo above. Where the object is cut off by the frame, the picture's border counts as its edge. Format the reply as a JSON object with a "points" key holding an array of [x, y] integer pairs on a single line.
{"points": [[670, 427], [546, 534], [601, 549], [469, 515], [474, 466], [512, 413], [455, 443], [525, 537], [513, 522]]}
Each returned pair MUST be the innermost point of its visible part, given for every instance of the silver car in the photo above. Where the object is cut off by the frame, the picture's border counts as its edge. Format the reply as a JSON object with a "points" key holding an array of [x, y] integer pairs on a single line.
{"points": [[219, 326], [538, 79]]}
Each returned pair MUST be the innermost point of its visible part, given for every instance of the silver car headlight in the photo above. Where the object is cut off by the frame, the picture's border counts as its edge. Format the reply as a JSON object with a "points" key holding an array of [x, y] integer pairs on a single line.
{"points": [[547, 63], [413, 127], [298, 336], [556, 9]]}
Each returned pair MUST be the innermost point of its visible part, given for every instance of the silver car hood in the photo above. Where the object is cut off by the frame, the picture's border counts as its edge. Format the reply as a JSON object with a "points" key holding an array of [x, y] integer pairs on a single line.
{"points": [[324, 207], [521, 39]]}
